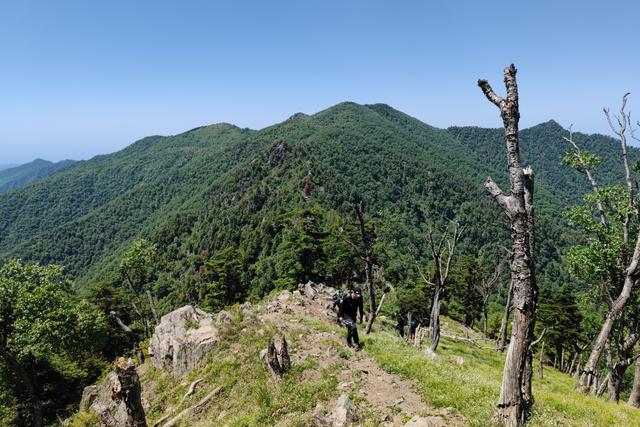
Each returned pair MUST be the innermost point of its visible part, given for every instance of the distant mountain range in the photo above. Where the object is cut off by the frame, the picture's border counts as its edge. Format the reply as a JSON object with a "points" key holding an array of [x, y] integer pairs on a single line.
{"points": [[13, 177], [220, 186]]}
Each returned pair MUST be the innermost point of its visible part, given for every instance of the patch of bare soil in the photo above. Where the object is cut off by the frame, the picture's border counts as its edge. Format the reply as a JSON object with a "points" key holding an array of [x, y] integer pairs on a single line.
{"points": [[382, 396]]}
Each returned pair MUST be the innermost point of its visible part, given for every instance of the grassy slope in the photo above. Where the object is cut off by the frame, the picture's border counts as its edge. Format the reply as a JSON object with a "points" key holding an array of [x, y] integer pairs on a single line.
{"points": [[473, 389], [249, 398]]}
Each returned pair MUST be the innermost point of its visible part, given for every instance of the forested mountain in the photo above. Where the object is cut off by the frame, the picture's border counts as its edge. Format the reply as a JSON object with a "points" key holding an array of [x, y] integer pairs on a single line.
{"points": [[230, 214], [543, 147], [14, 177], [219, 186]]}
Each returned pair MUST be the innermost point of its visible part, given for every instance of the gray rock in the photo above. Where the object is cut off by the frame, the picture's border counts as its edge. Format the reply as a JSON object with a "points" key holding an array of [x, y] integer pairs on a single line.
{"points": [[182, 339], [99, 398], [310, 290], [344, 414], [224, 317]]}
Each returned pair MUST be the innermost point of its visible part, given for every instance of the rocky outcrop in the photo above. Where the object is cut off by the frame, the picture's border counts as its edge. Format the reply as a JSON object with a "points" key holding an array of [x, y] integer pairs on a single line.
{"points": [[99, 398], [344, 414], [183, 338]]}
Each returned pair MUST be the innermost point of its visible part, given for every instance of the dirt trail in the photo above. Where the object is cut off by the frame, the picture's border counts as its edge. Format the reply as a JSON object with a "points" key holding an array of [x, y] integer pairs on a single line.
{"points": [[384, 397]]}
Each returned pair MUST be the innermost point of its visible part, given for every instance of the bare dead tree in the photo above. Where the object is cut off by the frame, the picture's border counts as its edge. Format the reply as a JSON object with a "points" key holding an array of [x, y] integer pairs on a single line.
{"points": [[133, 337], [487, 287], [617, 305], [129, 391], [442, 252], [515, 392]]}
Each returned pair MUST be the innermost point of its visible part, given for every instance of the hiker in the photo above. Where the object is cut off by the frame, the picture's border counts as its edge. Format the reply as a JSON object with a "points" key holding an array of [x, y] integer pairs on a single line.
{"points": [[412, 328], [401, 322], [351, 304]]}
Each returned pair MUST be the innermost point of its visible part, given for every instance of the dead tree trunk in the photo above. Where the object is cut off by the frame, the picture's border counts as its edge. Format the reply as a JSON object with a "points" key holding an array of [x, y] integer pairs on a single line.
{"points": [[442, 252], [513, 405], [133, 337], [130, 392], [276, 357], [634, 397], [487, 288], [502, 342], [616, 307], [152, 304]]}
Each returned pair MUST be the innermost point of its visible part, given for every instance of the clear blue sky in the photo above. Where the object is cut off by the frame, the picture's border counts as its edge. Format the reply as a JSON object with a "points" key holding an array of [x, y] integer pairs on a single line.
{"points": [[86, 77]]}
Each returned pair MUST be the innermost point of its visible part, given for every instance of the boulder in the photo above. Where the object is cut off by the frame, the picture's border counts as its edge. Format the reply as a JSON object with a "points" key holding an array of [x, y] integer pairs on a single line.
{"points": [[344, 414], [182, 339], [309, 289], [99, 398]]}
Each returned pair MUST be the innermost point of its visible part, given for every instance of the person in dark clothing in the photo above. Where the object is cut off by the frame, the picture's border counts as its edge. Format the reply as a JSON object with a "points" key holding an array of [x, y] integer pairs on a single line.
{"points": [[351, 304], [401, 322], [412, 328]]}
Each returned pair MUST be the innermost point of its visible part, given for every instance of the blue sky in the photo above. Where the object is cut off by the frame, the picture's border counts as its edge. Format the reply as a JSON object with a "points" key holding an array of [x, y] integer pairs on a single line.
{"points": [[84, 78]]}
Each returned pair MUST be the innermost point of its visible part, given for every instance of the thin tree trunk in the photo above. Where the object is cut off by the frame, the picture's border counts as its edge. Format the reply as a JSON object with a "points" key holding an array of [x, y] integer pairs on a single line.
{"points": [[133, 337], [573, 361], [634, 397], [515, 392], [380, 305], [372, 295], [435, 320], [152, 304], [540, 372], [586, 375]]}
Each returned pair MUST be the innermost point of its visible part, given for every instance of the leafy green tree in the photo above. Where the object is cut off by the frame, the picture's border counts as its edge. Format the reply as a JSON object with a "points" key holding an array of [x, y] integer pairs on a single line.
{"points": [[223, 274], [43, 329], [137, 267]]}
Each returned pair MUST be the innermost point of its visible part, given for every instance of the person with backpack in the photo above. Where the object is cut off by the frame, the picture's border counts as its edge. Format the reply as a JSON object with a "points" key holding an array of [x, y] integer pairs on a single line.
{"points": [[352, 303]]}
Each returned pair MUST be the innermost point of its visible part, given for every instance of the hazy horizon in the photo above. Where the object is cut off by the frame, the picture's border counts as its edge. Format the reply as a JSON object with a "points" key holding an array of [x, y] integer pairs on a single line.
{"points": [[82, 79]]}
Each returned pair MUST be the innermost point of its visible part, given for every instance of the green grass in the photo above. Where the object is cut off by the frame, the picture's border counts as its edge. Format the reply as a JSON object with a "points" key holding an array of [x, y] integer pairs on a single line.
{"points": [[472, 390], [249, 396]]}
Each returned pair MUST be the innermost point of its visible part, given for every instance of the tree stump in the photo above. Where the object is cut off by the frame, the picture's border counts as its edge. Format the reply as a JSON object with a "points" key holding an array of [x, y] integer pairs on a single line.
{"points": [[276, 357], [128, 390]]}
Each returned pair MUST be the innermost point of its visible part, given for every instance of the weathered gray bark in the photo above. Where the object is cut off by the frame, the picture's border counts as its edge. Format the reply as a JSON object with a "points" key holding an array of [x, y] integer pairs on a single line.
{"points": [[133, 337], [130, 392], [152, 304], [541, 362], [435, 319], [513, 403], [487, 288], [616, 306], [442, 253], [588, 371], [502, 342], [276, 357]]}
